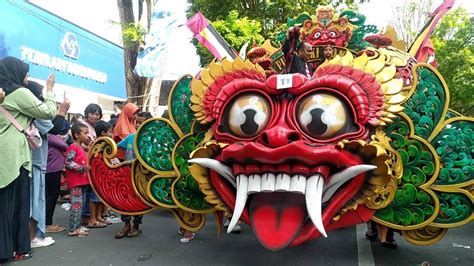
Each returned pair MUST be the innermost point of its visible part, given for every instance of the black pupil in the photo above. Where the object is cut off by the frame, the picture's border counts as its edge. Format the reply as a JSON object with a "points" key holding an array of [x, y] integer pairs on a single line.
{"points": [[249, 127], [317, 127]]}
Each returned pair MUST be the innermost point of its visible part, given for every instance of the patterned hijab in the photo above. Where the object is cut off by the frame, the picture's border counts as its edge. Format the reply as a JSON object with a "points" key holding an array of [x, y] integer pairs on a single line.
{"points": [[12, 73]]}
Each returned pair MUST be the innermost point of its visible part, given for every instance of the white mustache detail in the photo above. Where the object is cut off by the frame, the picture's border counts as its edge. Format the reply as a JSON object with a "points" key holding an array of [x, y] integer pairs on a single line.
{"points": [[315, 190]]}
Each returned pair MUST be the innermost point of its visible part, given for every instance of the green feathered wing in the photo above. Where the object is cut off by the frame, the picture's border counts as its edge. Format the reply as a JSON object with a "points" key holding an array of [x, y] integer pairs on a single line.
{"points": [[163, 148], [435, 144]]}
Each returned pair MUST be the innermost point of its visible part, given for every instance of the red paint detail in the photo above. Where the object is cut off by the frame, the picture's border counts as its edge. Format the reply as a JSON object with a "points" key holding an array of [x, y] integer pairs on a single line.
{"points": [[272, 82], [279, 136], [300, 169], [238, 169], [252, 169], [322, 170], [296, 151], [283, 168], [114, 186], [268, 168]]}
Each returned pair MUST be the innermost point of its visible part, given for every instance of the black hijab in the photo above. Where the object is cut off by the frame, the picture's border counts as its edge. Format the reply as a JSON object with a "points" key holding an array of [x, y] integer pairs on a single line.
{"points": [[36, 89], [12, 73]]}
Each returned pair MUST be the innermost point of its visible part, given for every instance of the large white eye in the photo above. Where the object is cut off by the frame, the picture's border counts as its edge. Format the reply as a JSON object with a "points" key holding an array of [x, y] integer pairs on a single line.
{"points": [[317, 35], [332, 34], [323, 116], [248, 115]]}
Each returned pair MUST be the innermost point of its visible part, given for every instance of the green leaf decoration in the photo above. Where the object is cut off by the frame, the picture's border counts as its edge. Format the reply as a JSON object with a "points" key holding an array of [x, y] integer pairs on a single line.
{"points": [[418, 162], [426, 105], [186, 189], [455, 147], [155, 142], [180, 103], [454, 208], [161, 190], [412, 205]]}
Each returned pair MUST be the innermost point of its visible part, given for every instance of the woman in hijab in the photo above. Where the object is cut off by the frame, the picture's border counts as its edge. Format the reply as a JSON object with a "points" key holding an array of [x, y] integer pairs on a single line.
{"points": [[16, 164], [39, 159], [126, 122]]}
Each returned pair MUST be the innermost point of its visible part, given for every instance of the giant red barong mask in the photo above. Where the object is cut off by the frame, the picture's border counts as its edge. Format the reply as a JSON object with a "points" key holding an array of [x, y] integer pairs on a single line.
{"points": [[292, 156]]}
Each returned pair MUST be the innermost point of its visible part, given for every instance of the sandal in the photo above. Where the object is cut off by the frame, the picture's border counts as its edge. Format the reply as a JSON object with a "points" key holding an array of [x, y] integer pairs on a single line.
{"points": [[125, 231], [105, 221], [55, 228], [134, 232], [80, 232], [20, 257], [84, 228], [187, 237], [97, 225]]}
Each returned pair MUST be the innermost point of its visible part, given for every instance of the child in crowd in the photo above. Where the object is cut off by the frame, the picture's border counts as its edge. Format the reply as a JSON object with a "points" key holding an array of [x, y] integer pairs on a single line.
{"points": [[92, 114], [127, 145], [77, 179]]}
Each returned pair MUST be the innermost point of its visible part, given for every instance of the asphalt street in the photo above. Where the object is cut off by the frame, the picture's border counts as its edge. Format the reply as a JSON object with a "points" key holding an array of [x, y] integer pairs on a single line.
{"points": [[159, 245]]}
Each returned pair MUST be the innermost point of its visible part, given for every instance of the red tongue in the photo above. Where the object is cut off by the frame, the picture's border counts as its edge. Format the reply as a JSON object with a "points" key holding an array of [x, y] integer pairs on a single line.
{"points": [[277, 218]]}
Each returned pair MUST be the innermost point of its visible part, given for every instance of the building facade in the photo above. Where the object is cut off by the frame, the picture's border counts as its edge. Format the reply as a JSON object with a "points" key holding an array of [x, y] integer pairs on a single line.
{"points": [[88, 68]]}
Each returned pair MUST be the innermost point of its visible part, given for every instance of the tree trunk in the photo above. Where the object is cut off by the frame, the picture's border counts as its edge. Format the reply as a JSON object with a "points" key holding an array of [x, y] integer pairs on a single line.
{"points": [[137, 87]]}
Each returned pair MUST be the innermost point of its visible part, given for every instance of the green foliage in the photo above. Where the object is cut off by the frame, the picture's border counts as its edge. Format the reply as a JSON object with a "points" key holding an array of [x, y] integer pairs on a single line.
{"points": [[236, 31], [453, 41], [133, 34]]}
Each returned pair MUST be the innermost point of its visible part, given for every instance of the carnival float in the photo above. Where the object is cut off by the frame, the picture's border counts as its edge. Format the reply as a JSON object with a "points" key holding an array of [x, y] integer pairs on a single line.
{"points": [[369, 137]]}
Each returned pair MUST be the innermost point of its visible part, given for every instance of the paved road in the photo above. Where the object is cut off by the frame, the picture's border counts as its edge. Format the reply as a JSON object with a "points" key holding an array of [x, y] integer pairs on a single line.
{"points": [[159, 245]]}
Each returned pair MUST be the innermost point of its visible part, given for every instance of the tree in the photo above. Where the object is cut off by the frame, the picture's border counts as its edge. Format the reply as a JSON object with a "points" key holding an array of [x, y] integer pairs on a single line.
{"points": [[132, 36], [410, 17], [453, 40]]}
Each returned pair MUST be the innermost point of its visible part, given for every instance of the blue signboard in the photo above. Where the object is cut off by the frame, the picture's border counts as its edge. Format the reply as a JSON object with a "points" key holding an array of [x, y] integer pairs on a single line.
{"points": [[49, 44]]}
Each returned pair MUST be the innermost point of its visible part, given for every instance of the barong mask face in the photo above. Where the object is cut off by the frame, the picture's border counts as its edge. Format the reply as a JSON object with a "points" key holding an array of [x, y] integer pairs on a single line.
{"points": [[295, 157]]}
